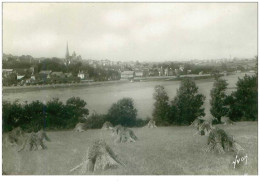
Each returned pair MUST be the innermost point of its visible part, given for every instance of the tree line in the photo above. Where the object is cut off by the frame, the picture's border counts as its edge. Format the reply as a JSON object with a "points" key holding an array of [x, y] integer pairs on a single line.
{"points": [[187, 105]]}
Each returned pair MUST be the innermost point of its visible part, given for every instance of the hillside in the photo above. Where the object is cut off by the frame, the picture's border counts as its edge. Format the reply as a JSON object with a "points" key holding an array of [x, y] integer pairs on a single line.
{"points": [[159, 151]]}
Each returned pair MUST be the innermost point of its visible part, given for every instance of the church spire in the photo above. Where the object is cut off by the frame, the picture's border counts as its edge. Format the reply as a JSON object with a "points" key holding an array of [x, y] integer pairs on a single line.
{"points": [[67, 51], [67, 56]]}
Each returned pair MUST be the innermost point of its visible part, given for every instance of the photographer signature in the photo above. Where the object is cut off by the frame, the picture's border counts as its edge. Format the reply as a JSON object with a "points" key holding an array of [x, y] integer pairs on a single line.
{"points": [[240, 160]]}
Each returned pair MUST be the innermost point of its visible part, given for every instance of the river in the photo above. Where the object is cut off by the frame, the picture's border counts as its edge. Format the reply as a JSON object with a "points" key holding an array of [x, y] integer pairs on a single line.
{"points": [[100, 97]]}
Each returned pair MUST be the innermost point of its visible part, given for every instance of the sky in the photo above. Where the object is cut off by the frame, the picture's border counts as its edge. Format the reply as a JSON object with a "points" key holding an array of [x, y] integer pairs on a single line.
{"points": [[131, 31]]}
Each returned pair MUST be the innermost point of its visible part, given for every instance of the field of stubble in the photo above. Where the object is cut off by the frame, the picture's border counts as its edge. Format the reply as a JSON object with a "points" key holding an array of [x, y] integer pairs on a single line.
{"points": [[159, 151]]}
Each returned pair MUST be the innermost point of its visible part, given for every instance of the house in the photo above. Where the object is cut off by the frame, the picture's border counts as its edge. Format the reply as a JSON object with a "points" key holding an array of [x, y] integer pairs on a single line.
{"points": [[170, 73], [166, 72], [146, 72], [177, 72], [154, 72], [139, 74], [160, 70], [7, 72], [45, 74], [67, 75], [57, 74], [127, 75], [30, 81], [181, 68], [32, 70], [81, 75], [20, 77]]}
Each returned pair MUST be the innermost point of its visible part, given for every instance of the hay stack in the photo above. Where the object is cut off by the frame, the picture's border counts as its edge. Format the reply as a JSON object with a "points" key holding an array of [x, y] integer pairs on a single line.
{"points": [[196, 122], [99, 157], [151, 124], [79, 127], [107, 126], [204, 128], [219, 141], [15, 136], [237, 148], [227, 121], [124, 134]]}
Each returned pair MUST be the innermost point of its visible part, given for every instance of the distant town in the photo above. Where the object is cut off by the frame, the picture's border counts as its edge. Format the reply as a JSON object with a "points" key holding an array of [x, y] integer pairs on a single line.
{"points": [[26, 70]]}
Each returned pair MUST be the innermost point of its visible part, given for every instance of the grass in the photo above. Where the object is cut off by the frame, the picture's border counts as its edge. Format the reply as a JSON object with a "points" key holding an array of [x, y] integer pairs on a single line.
{"points": [[159, 151]]}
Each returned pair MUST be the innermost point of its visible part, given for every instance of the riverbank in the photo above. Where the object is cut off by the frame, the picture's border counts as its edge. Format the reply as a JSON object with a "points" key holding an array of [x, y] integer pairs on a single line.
{"points": [[136, 79], [47, 86]]}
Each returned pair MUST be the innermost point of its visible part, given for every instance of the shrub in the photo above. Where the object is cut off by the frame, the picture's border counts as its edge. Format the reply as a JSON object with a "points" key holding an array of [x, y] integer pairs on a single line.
{"points": [[122, 112], [243, 102], [75, 108], [12, 115], [142, 122], [95, 121], [218, 98], [161, 111], [54, 114], [36, 115], [187, 105]]}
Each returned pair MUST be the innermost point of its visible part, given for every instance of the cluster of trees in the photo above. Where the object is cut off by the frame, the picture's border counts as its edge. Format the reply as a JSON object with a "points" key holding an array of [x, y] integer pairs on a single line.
{"points": [[55, 115], [188, 103], [240, 104], [36, 115], [183, 109], [9, 80], [123, 112]]}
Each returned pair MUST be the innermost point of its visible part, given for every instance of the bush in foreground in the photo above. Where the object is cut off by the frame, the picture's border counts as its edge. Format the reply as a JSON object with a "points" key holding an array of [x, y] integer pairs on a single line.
{"points": [[161, 111], [123, 112], [95, 121], [243, 102], [218, 99], [187, 105], [37, 115]]}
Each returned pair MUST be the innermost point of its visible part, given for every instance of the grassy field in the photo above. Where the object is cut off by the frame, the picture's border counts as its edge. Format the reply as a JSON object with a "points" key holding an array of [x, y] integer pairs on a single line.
{"points": [[159, 151]]}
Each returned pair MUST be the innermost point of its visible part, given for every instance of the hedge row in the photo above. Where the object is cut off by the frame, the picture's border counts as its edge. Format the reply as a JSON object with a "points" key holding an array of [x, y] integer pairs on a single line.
{"points": [[55, 115], [36, 115]]}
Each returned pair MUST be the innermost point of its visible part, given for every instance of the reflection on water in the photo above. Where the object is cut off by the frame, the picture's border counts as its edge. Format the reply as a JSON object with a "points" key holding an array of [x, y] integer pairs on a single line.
{"points": [[99, 98]]}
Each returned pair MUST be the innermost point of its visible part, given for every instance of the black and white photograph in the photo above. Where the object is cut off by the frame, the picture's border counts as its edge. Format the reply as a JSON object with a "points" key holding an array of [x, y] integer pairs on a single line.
{"points": [[130, 88]]}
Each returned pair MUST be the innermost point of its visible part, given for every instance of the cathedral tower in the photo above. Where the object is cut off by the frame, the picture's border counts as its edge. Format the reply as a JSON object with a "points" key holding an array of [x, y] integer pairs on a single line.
{"points": [[67, 56]]}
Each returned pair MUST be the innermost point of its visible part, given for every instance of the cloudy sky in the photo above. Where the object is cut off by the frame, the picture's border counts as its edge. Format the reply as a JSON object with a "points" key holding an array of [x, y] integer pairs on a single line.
{"points": [[129, 31]]}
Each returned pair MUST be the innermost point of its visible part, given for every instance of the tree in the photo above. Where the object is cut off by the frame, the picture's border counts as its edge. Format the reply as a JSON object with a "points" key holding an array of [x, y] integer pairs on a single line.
{"points": [[55, 113], [161, 106], [12, 115], [10, 80], [218, 99], [243, 102], [75, 110], [188, 103], [34, 116], [95, 121], [123, 112]]}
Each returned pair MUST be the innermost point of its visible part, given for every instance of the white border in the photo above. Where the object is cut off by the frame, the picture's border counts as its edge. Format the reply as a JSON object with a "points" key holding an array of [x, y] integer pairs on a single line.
{"points": [[125, 184]]}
